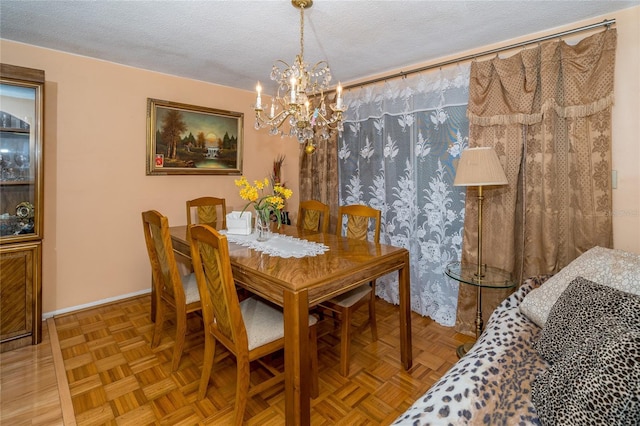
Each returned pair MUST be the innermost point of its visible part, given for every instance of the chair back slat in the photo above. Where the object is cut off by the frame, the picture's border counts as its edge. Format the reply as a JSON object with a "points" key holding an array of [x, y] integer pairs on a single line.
{"points": [[311, 220], [210, 211], [220, 304], [166, 276], [358, 218], [313, 216], [207, 215], [357, 227]]}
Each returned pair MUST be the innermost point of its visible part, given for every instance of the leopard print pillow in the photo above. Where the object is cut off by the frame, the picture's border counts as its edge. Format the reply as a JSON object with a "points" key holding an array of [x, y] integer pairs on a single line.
{"points": [[599, 384], [578, 308]]}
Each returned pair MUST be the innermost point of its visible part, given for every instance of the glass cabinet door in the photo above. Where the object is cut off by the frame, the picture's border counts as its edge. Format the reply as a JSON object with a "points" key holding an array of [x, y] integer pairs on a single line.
{"points": [[20, 160]]}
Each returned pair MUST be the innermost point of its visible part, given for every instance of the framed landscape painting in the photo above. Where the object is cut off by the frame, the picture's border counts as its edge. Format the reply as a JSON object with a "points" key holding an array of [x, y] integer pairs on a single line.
{"points": [[187, 140]]}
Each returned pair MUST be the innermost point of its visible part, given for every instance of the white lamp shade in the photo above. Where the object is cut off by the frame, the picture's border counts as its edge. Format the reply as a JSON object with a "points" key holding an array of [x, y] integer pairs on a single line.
{"points": [[479, 167]]}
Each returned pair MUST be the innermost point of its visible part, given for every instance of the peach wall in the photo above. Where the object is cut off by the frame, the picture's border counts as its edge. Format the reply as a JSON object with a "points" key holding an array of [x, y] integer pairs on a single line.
{"points": [[626, 133], [95, 181], [95, 178]]}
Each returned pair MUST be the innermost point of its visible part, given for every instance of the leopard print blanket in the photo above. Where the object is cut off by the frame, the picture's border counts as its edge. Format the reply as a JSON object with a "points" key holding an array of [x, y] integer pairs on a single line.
{"points": [[491, 384]]}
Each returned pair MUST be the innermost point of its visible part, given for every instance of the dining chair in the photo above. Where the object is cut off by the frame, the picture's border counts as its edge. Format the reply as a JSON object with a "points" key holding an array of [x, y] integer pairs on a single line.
{"points": [[250, 329], [313, 216], [210, 211], [173, 290], [357, 226]]}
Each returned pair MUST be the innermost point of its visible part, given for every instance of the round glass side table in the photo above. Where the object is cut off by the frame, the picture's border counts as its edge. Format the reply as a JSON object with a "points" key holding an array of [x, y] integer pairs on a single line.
{"points": [[489, 277]]}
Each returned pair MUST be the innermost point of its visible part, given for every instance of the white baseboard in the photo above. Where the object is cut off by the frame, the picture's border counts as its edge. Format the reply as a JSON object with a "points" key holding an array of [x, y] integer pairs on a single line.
{"points": [[46, 315]]}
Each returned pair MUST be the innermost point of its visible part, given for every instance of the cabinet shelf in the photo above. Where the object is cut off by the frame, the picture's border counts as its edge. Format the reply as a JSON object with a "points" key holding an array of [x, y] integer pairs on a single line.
{"points": [[16, 182], [15, 130]]}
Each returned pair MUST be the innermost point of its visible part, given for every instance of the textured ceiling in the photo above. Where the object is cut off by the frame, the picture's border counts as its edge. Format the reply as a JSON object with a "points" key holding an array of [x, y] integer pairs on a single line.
{"points": [[234, 43]]}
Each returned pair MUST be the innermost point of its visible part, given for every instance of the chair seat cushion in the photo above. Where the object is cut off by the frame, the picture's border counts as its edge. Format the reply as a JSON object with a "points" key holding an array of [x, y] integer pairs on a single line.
{"points": [[263, 322], [352, 296], [190, 285]]}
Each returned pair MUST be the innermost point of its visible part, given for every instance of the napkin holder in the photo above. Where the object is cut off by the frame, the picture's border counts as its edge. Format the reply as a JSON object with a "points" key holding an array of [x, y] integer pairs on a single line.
{"points": [[239, 223]]}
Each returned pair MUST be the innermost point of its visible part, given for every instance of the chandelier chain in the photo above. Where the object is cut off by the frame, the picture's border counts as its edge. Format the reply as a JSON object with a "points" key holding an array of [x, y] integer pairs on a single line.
{"points": [[302, 30]]}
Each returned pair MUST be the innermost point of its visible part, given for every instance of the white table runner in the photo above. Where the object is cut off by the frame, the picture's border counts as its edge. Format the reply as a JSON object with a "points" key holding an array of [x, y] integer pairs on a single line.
{"points": [[279, 245]]}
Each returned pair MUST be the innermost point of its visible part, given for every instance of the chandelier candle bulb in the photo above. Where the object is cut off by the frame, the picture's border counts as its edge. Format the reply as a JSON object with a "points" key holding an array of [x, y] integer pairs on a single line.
{"points": [[273, 110], [259, 100], [293, 90], [339, 97]]}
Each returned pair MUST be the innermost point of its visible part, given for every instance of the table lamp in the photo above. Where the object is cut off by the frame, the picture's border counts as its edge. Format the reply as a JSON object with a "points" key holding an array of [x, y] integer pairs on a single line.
{"points": [[479, 167]]}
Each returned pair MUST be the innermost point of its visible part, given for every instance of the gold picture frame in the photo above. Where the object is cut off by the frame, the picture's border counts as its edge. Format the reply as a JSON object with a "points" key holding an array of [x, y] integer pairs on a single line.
{"points": [[186, 139]]}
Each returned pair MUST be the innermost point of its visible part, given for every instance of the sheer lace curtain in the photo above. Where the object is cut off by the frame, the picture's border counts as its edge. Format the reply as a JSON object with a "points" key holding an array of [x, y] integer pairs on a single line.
{"points": [[398, 151], [547, 113]]}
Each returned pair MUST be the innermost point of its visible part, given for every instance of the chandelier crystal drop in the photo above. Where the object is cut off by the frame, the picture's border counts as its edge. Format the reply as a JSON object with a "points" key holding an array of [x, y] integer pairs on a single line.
{"points": [[300, 97]]}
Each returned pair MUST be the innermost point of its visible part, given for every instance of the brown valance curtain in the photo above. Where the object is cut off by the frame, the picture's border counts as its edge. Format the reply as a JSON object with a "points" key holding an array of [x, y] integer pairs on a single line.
{"points": [[547, 113]]}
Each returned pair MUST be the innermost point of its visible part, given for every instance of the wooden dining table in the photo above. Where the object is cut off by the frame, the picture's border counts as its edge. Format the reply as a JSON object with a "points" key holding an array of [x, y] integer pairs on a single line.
{"points": [[297, 284]]}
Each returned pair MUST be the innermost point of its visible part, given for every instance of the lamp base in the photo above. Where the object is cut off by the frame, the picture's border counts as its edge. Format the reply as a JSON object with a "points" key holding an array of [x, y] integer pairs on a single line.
{"points": [[463, 349]]}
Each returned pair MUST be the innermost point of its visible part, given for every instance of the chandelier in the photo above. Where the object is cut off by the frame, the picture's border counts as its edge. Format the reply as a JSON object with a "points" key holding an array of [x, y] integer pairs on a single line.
{"points": [[300, 97]]}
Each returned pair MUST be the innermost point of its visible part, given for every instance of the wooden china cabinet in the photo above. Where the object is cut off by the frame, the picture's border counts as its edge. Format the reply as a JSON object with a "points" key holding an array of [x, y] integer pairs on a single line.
{"points": [[21, 202]]}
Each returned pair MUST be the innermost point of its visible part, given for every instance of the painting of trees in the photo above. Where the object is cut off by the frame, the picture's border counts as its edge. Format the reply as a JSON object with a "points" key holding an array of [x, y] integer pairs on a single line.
{"points": [[172, 127], [200, 140], [186, 139]]}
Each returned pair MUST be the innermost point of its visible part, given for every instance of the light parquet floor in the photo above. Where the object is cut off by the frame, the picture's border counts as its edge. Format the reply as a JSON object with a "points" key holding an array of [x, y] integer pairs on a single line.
{"points": [[29, 386], [115, 378]]}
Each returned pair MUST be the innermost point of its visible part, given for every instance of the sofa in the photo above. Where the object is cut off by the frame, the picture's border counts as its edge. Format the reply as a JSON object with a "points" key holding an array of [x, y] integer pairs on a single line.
{"points": [[561, 350]]}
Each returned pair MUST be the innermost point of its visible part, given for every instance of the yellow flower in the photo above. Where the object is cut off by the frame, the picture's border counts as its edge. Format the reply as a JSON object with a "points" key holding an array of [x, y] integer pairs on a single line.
{"points": [[241, 182], [286, 192], [254, 194]]}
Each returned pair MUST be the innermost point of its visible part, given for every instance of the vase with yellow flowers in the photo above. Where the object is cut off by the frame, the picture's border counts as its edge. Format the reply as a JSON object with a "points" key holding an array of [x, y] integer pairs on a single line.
{"points": [[265, 201]]}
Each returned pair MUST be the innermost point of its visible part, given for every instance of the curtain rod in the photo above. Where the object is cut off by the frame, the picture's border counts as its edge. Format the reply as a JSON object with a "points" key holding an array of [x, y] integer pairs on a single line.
{"points": [[606, 22]]}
